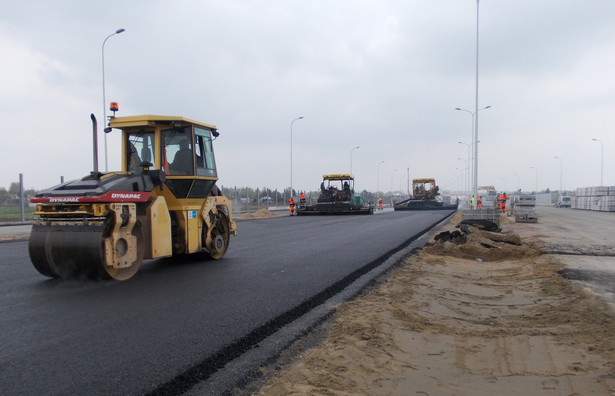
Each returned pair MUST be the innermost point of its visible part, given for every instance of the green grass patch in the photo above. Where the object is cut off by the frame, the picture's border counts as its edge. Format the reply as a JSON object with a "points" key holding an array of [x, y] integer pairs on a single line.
{"points": [[13, 213]]}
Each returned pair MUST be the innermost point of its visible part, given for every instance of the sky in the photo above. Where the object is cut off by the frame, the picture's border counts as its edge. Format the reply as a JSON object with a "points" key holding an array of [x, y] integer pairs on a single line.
{"points": [[381, 75]]}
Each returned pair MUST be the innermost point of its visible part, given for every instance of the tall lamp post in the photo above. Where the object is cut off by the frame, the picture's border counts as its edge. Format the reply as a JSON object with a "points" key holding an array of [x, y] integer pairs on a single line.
{"points": [[291, 155], [475, 117], [536, 169], [351, 150], [560, 174], [475, 121], [103, 87], [601, 160]]}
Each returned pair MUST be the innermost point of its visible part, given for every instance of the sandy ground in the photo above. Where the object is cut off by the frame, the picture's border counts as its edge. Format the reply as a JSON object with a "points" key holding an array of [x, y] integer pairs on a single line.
{"points": [[259, 214], [445, 323], [10, 233]]}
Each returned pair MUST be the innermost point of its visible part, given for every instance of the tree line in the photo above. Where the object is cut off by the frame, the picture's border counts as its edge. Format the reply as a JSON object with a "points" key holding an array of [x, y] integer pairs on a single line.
{"points": [[265, 194], [11, 196]]}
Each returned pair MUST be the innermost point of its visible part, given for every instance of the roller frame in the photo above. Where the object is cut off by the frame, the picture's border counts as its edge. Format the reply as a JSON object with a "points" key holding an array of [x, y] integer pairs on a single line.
{"points": [[211, 206], [122, 232]]}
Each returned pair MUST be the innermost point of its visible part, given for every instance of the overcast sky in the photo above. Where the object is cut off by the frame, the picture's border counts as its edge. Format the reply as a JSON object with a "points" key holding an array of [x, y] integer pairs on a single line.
{"points": [[383, 75]]}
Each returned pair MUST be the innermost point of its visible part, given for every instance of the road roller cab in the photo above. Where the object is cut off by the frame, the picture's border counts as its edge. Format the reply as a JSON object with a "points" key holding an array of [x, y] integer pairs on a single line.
{"points": [[163, 202]]}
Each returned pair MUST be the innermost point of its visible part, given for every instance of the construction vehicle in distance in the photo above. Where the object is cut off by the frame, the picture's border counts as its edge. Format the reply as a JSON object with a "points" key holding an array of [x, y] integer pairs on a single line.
{"points": [[425, 196], [164, 202], [337, 197]]}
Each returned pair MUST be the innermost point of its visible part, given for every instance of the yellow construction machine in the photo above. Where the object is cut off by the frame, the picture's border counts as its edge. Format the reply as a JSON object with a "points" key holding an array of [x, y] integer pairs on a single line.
{"points": [[337, 197], [164, 202], [425, 196]]}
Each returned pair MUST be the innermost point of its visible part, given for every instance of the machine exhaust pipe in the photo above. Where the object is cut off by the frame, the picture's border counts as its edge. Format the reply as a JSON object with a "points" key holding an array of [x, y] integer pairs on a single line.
{"points": [[95, 145]]}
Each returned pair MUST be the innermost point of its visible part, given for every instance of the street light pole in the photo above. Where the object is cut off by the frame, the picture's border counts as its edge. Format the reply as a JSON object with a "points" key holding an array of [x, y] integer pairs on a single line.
{"points": [[560, 174], [536, 179], [291, 155], [601, 160], [103, 87], [475, 185], [351, 150]]}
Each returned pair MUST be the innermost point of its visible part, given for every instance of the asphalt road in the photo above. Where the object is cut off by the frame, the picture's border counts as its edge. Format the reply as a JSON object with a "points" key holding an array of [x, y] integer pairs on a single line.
{"points": [[180, 320]]}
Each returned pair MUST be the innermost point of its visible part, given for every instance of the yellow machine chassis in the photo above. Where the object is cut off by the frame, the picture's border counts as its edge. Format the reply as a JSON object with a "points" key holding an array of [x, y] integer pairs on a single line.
{"points": [[76, 235]]}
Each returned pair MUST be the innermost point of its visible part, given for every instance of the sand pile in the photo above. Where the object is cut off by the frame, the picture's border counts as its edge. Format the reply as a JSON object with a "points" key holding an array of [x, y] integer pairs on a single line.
{"points": [[259, 214]]}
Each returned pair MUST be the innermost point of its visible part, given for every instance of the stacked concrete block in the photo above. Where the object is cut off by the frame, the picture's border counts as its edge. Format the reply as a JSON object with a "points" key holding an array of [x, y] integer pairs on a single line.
{"points": [[524, 208], [492, 215], [595, 198]]}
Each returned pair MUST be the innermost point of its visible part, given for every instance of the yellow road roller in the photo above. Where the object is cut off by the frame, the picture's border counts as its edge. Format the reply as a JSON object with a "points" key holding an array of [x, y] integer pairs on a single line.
{"points": [[164, 202]]}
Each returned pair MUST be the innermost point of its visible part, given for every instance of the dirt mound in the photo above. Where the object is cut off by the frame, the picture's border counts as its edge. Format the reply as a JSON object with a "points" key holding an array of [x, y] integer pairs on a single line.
{"points": [[473, 243], [259, 214]]}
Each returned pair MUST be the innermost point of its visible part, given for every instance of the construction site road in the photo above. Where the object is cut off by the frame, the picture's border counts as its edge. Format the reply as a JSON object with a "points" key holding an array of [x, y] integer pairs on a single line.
{"points": [[582, 240], [525, 311], [178, 321]]}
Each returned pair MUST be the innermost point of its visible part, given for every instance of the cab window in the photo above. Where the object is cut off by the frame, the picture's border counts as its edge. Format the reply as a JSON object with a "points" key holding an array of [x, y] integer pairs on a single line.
{"points": [[178, 154], [204, 153], [140, 150]]}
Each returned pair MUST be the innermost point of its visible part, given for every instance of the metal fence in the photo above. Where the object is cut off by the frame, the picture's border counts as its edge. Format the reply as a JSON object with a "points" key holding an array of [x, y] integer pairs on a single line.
{"points": [[11, 213]]}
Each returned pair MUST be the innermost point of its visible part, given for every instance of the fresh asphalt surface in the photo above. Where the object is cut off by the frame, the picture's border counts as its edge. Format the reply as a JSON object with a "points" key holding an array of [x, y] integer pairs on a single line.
{"points": [[179, 320]]}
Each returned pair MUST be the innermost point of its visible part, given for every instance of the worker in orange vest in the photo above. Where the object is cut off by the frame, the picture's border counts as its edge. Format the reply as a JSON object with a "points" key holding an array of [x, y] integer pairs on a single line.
{"points": [[291, 206], [302, 201], [379, 203], [480, 202], [502, 200]]}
